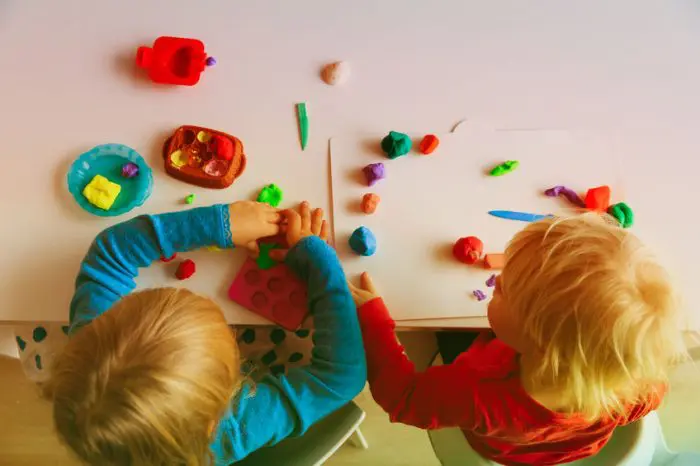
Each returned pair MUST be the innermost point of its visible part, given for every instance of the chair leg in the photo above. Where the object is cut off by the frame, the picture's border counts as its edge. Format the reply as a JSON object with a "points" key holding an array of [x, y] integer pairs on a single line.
{"points": [[359, 440]]}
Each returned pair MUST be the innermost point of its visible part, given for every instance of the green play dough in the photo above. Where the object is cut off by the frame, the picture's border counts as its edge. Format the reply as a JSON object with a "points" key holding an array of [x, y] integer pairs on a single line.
{"points": [[264, 260], [396, 144], [271, 194], [623, 213], [505, 167]]}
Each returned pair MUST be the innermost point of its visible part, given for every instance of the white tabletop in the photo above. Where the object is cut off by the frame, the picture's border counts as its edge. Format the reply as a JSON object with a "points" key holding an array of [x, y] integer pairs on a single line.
{"points": [[68, 82]]}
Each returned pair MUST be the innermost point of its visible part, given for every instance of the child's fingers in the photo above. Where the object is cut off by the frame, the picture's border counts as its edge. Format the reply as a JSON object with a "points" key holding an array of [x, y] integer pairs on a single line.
{"points": [[305, 213], [367, 283], [293, 220], [273, 216], [254, 249], [325, 231], [316, 221]]}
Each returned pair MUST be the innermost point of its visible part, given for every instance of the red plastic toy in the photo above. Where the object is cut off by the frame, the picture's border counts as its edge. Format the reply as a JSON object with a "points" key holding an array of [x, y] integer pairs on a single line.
{"points": [[276, 294], [598, 199], [174, 60]]}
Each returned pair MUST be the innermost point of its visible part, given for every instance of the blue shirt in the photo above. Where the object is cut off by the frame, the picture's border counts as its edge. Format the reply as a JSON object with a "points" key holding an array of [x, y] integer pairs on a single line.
{"points": [[277, 407]]}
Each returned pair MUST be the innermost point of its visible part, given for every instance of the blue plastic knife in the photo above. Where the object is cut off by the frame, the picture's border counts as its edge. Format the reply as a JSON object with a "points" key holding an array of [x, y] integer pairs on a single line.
{"points": [[521, 216]]}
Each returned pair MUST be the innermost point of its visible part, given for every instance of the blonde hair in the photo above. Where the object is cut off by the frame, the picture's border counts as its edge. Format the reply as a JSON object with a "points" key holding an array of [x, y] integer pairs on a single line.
{"points": [[599, 309], [145, 382]]}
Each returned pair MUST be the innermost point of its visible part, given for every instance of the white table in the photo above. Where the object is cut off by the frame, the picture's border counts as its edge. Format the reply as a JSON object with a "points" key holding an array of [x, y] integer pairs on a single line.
{"points": [[68, 83]]}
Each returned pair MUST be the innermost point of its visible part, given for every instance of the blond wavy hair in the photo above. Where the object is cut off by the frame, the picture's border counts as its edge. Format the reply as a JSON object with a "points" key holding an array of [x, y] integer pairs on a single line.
{"points": [[601, 312], [146, 382]]}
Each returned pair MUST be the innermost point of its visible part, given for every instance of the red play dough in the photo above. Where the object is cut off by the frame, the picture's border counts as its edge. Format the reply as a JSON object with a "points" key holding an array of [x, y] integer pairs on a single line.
{"points": [[185, 270], [168, 259], [223, 147], [428, 144], [598, 199], [468, 249]]}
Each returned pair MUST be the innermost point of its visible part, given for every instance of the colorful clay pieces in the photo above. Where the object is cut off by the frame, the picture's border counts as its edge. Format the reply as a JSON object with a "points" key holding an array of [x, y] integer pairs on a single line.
{"points": [[569, 194], [370, 201], [204, 157], [468, 249], [491, 281], [622, 213], [185, 270], [428, 144], [598, 199], [396, 144], [335, 73], [271, 194], [494, 261], [363, 242], [130, 170], [101, 192], [373, 173], [479, 295], [189, 199], [505, 167]]}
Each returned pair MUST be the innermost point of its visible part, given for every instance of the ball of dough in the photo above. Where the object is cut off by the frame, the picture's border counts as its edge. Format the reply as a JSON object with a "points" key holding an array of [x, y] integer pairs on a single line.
{"points": [[335, 73], [363, 242]]}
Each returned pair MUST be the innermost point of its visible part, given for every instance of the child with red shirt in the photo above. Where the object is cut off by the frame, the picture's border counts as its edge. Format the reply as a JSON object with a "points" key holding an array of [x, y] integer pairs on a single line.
{"points": [[584, 330]]}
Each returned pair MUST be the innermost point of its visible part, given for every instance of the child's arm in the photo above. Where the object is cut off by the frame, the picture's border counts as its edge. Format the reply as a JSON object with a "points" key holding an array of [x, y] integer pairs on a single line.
{"points": [[278, 407], [108, 271]]}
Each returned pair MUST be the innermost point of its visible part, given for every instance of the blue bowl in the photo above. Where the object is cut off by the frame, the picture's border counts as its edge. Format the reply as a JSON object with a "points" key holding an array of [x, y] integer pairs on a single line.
{"points": [[107, 160]]}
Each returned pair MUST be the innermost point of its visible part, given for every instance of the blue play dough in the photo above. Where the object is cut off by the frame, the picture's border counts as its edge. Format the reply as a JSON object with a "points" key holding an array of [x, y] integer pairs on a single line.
{"points": [[363, 241]]}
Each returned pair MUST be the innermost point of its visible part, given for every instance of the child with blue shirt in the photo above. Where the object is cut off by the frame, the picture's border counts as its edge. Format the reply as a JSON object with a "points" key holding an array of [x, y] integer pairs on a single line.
{"points": [[154, 377]]}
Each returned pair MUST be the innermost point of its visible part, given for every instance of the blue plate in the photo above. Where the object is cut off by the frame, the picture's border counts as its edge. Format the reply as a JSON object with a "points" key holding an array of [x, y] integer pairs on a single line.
{"points": [[107, 160]]}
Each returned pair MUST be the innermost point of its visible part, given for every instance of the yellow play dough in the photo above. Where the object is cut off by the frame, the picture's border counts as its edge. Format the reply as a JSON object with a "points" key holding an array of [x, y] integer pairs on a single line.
{"points": [[203, 136], [101, 192], [178, 159]]}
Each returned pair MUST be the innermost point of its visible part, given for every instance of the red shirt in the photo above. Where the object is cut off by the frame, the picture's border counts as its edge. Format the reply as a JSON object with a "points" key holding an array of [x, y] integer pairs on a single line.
{"points": [[481, 393]]}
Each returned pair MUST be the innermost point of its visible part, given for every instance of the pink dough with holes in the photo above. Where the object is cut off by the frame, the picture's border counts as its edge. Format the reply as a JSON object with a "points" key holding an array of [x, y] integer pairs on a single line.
{"points": [[276, 294]]}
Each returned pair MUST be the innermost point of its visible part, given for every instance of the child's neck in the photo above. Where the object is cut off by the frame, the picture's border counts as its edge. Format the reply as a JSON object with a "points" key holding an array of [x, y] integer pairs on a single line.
{"points": [[547, 395]]}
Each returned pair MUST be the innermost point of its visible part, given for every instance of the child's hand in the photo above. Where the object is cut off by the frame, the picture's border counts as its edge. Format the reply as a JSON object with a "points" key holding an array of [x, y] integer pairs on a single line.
{"points": [[365, 293], [299, 225], [251, 221]]}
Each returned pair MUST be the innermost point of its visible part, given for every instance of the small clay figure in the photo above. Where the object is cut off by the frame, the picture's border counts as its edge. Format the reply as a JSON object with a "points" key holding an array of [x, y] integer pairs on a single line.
{"points": [[369, 203]]}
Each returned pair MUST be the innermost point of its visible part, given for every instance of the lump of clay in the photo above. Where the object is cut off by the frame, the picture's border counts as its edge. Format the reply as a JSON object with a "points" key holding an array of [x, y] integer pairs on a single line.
{"points": [[363, 241], [185, 270], [101, 192], [396, 144], [271, 194], [468, 249], [335, 73], [222, 147], [130, 170], [622, 213], [374, 172], [369, 203], [428, 144]]}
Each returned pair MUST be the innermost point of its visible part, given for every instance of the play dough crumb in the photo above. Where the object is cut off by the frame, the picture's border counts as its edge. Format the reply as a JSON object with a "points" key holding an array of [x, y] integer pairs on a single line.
{"points": [[271, 194], [428, 144], [189, 199], [479, 295], [396, 144], [214, 249], [363, 241], [622, 213], [203, 137], [505, 167], [168, 259], [101, 192], [130, 170], [491, 281], [335, 73], [374, 172], [370, 201], [186, 269]]}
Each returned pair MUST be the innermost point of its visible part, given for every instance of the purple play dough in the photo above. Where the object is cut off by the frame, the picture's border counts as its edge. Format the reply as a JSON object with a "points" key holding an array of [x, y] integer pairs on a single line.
{"points": [[373, 173], [479, 295], [130, 170], [569, 194], [491, 282]]}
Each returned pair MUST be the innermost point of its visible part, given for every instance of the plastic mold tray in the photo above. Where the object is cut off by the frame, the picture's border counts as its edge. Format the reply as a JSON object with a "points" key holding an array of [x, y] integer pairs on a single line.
{"points": [[204, 157], [276, 294]]}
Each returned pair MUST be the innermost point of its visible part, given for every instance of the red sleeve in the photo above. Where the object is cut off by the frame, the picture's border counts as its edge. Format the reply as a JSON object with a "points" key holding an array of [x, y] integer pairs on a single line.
{"points": [[438, 397], [640, 410]]}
